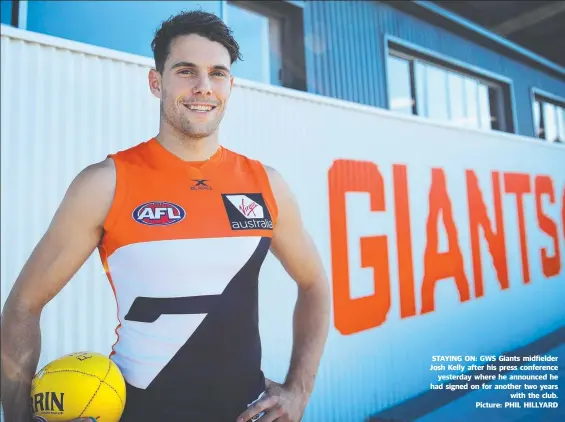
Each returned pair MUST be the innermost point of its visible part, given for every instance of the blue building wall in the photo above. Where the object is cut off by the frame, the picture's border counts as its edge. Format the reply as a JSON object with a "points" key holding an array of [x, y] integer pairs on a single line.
{"points": [[343, 60], [6, 11], [349, 62]]}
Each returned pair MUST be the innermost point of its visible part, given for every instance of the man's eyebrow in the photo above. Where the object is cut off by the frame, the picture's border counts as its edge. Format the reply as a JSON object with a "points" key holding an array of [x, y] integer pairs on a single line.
{"points": [[188, 64], [183, 64], [221, 67]]}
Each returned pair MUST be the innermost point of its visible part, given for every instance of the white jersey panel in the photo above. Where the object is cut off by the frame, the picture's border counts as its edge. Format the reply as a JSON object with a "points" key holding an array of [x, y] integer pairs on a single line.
{"points": [[168, 269]]}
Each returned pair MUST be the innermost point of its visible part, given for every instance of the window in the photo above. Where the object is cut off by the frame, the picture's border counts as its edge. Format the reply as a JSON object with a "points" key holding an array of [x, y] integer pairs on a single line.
{"points": [[401, 98], [271, 39], [425, 87], [549, 119]]}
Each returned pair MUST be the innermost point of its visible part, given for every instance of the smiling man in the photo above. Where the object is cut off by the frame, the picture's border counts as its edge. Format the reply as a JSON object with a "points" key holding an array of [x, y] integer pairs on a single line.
{"points": [[182, 226]]}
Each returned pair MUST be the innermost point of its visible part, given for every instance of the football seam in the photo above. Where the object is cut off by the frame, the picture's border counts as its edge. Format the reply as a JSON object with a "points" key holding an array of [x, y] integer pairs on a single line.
{"points": [[112, 388], [73, 370], [96, 392], [91, 375]]}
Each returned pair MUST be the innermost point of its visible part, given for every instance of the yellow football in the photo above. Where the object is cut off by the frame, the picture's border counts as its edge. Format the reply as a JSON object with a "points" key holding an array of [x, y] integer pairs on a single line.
{"points": [[81, 384]]}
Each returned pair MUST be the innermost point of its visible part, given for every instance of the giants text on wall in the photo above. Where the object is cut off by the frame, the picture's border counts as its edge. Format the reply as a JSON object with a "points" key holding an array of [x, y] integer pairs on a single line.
{"points": [[353, 315]]}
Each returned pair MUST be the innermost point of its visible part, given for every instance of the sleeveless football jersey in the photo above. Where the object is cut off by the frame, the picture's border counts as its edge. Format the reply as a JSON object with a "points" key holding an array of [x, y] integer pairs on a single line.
{"points": [[182, 249]]}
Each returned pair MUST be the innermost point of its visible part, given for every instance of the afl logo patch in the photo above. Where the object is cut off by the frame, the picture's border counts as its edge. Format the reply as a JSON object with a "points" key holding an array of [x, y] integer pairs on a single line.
{"points": [[158, 214]]}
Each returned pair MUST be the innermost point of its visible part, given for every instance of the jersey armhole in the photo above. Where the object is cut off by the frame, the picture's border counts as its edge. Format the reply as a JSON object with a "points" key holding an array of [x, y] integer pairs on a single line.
{"points": [[266, 187], [120, 194]]}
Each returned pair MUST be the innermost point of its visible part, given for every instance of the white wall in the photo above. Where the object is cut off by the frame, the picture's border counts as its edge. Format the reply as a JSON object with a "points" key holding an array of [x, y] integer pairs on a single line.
{"points": [[66, 105]]}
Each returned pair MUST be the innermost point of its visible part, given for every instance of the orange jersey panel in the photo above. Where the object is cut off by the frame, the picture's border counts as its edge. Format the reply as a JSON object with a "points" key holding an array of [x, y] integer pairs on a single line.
{"points": [[227, 195]]}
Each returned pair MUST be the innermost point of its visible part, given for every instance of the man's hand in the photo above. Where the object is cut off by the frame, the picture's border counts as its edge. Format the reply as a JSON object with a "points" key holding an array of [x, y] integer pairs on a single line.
{"points": [[280, 403]]}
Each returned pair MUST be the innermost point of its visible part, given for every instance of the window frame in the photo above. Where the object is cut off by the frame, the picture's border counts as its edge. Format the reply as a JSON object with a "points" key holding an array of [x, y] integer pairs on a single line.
{"points": [[540, 96], [504, 86], [290, 14], [18, 14]]}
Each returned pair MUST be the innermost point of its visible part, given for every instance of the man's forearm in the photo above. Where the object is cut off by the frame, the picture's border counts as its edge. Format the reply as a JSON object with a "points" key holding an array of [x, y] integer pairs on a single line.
{"points": [[311, 321], [21, 345]]}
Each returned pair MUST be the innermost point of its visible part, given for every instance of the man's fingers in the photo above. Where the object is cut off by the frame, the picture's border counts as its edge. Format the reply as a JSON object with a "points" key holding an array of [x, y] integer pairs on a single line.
{"points": [[272, 415], [258, 407]]}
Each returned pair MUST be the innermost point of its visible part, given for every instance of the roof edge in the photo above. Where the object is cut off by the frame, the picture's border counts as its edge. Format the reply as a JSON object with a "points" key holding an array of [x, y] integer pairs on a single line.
{"points": [[484, 33]]}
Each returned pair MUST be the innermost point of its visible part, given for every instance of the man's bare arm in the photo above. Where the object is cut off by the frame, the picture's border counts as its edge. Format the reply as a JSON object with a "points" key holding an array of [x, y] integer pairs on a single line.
{"points": [[72, 236], [296, 251]]}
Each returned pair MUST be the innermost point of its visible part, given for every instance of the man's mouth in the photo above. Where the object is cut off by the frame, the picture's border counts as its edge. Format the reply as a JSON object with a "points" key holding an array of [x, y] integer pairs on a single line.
{"points": [[200, 108]]}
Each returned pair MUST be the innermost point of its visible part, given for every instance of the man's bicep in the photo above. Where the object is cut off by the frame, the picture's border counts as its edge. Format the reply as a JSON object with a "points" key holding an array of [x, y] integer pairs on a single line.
{"points": [[299, 257], [72, 236], [292, 244]]}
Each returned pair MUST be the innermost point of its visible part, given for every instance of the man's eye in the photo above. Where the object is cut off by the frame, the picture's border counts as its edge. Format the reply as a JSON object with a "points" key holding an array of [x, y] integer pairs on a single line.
{"points": [[186, 72]]}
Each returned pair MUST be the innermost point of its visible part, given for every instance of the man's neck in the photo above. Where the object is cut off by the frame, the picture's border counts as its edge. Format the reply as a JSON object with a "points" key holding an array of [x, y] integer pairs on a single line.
{"points": [[189, 149]]}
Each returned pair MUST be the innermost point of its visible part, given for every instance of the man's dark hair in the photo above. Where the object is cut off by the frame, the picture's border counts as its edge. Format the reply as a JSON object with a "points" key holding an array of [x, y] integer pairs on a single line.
{"points": [[196, 22]]}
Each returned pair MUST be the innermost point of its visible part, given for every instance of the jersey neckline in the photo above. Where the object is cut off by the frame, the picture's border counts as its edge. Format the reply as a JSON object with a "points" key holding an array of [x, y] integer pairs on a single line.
{"points": [[167, 158]]}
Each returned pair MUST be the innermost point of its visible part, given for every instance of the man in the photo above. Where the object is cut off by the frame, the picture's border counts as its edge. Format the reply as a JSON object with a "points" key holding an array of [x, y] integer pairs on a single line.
{"points": [[182, 226]]}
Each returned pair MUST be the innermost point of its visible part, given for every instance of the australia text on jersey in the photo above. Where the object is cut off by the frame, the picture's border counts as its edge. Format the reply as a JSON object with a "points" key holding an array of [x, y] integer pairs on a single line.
{"points": [[253, 210]]}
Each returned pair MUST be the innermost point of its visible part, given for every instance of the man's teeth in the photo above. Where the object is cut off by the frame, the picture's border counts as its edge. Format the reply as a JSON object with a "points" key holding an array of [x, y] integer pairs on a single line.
{"points": [[200, 107]]}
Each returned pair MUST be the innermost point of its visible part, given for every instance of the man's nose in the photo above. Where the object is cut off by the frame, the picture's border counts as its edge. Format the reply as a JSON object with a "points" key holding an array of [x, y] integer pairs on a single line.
{"points": [[203, 86]]}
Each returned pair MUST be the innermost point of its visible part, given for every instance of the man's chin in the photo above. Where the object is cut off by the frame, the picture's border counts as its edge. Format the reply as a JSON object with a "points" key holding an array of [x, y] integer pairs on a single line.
{"points": [[198, 134]]}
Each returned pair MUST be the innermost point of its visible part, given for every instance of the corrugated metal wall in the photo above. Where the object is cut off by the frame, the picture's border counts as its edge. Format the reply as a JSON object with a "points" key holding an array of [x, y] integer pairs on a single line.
{"points": [[346, 51], [345, 44], [66, 105], [345, 60]]}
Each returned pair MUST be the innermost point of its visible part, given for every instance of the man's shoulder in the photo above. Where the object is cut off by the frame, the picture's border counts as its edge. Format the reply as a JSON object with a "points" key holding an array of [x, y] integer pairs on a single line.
{"points": [[103, 172]]}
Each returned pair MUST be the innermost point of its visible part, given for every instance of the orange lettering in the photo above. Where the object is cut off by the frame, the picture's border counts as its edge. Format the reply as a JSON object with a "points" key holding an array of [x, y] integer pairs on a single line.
{"points": [[478, 218], [448, 264], [551, 265], [354, 315], [404, 242], [519, 184]]}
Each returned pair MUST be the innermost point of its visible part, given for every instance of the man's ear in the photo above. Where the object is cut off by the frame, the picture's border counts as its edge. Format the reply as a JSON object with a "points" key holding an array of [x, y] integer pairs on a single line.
{"points": [[155, 79]]}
